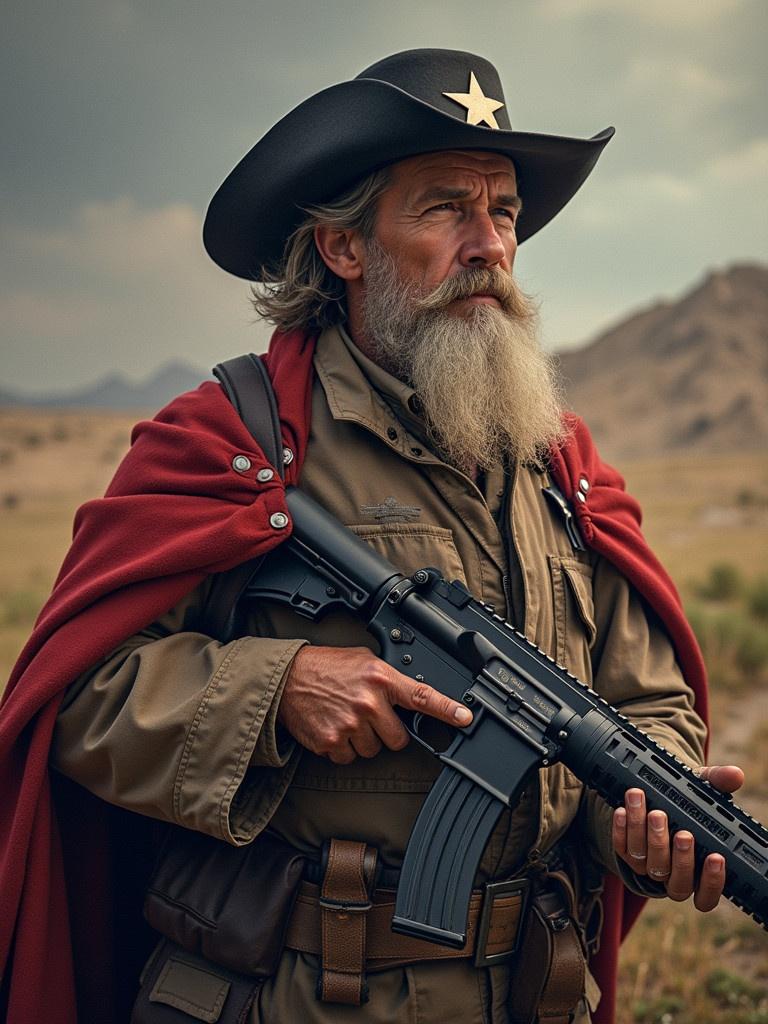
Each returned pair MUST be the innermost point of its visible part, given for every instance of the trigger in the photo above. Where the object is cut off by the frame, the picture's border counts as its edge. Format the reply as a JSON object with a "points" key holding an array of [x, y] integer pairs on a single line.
{"points": [[413, 722]]}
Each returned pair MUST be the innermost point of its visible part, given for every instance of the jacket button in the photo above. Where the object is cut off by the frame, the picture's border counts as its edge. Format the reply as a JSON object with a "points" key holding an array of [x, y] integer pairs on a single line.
{"points": [[279, 520], [287, 456], [584, 484], [391, 433], [241, 463], [581, 496], [265, 475]]}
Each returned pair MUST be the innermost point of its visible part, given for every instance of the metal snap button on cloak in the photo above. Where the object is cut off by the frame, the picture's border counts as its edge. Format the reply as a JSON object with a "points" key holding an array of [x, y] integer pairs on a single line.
{"points": [[264, 475], [279, 520], [287, 456], [581, 496], [584, 484], [241, 463]]}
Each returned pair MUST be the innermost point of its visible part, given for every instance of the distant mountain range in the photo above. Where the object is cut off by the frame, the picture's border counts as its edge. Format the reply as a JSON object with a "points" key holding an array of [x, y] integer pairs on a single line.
{"points": [[689, 375], [684, 375], [117, 392]]}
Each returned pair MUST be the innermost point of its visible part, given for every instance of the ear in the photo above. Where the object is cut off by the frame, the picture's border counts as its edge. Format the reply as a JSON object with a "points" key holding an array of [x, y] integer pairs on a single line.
{"points": [[341, 250]]}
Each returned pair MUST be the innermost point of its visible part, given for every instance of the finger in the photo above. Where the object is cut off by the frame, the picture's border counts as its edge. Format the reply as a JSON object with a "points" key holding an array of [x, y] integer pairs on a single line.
{"points": [[680, 884], [422, 697], [710, 887], [365, 742], [634, 801], [727, 778], [343, 753], [388, 728], [659, 858], [620, 832]]}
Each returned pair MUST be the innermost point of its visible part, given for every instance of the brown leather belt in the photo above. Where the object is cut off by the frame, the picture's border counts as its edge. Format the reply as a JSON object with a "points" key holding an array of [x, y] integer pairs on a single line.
{"points": [[495, 914]]}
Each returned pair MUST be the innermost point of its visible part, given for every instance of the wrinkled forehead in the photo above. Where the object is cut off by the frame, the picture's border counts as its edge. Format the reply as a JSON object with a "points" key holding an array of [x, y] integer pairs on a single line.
{"points": [[462, 168]]}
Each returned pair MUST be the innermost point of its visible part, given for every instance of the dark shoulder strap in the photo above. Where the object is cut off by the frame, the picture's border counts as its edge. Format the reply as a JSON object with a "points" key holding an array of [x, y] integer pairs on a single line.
{"points": [[247, 385]]}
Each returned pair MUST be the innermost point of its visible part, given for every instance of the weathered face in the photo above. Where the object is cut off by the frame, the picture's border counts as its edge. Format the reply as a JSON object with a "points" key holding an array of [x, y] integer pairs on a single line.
{"points": [[444, 212]]}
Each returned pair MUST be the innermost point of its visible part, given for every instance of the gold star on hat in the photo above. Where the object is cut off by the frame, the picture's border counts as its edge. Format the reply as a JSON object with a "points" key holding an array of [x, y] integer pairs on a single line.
{"points": [[480, 108]]}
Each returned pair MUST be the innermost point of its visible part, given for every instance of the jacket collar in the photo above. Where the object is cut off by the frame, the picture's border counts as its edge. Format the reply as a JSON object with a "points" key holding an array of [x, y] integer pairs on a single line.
{"points": [[359, 390]]}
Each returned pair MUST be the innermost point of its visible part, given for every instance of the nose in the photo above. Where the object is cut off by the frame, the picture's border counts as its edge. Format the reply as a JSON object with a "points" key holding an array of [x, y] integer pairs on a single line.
{"points": [[483, 245]]}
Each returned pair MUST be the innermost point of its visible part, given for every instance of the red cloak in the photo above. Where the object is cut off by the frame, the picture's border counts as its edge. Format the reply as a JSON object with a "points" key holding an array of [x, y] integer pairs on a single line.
{"points": [[175, 512]]}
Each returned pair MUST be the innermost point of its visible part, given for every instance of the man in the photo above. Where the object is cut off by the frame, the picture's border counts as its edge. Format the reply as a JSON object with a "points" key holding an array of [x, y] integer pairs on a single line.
{"points": [[385, 214]]}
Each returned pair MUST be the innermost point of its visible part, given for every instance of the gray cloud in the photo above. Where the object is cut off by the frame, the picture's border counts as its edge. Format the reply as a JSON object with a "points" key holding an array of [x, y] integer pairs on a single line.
{"points": [[122, 116]]}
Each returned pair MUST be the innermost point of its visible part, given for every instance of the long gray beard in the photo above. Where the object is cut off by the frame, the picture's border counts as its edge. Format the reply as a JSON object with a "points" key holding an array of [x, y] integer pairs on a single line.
{"points": [[488, 390]]}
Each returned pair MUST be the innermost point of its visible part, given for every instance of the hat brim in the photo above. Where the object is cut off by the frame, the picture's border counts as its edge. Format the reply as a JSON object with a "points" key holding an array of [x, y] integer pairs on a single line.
{"points": [[331, 140]]}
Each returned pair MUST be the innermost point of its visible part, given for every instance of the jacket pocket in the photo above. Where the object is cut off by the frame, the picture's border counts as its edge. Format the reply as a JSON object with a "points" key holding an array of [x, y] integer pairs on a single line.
{"points": [[412, 546], [574, 614]]}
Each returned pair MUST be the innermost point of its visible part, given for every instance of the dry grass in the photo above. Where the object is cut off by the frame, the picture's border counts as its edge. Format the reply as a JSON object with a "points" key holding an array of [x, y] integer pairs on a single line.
{"points": [[678, 966], [701, 510], [682, 967], [50, 463]]}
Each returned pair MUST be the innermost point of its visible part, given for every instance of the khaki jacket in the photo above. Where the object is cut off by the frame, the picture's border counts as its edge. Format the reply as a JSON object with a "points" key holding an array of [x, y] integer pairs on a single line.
{"points": [[177, 726]]}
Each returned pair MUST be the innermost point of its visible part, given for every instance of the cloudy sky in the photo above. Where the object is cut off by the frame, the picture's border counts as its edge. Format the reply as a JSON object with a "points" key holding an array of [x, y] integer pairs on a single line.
{"points": [[121, 117]]}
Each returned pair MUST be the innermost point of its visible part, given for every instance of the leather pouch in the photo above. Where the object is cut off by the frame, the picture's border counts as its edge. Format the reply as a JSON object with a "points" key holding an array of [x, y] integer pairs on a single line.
{"points": [[548, 975], [229, 904]]}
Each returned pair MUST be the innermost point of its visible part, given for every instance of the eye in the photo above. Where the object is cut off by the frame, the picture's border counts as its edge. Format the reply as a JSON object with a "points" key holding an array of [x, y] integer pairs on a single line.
{"points": [[505, 211]]}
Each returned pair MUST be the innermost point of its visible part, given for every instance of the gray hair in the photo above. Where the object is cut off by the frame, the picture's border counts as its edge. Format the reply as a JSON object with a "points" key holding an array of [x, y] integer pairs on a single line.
{"points": [[301, 291]]}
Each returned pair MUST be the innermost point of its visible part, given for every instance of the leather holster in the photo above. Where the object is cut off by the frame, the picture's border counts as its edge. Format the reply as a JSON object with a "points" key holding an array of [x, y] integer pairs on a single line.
{"points": [[547, 977]]}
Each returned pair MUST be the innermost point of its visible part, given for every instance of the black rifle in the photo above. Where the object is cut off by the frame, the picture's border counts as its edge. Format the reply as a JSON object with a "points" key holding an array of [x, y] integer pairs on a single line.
{"points": [[528, 712]]}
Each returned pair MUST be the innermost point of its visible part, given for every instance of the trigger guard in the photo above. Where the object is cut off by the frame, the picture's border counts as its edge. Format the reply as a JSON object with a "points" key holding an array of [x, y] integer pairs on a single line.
{"points": [[412, 720]]}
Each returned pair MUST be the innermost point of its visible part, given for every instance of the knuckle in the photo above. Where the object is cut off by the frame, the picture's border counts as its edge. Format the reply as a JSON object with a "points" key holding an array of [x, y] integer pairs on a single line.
{"points": [[331, 738], [381, 672], [446, 708], [678, 895], [365, 703], [421, 694]]}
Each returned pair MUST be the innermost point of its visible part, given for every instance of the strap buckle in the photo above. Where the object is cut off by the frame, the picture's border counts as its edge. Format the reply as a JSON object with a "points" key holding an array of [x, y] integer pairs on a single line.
{"points": [[500, 925], [344, 906]]}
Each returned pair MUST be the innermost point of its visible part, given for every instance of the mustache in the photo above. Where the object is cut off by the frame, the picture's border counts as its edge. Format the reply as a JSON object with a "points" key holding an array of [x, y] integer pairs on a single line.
{"points": [[477, 281]]}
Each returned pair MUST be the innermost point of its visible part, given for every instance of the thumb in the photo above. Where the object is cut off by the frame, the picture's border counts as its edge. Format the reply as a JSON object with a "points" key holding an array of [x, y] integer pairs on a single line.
{"points": [[727, 778]]}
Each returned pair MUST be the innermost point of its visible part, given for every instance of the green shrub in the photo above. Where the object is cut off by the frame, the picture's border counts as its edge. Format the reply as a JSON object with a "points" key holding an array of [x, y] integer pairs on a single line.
{"points": [[20, 607], [731, 990], [663, 1010], [752, 649], [724, 583], [735, 646], [757, 598]]}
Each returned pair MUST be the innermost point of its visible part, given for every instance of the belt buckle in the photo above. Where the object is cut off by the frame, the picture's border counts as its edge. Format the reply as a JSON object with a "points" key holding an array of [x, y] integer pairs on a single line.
{"points": [[493, 891]]}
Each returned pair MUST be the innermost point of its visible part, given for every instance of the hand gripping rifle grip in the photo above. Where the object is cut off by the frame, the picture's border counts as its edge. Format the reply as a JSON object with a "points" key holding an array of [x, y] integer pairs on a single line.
{"points": [[446, 844]]}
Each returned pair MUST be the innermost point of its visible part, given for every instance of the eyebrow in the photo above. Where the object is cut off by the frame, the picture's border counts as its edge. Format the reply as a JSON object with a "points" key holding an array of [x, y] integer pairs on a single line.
{"points": [[441, 193]]}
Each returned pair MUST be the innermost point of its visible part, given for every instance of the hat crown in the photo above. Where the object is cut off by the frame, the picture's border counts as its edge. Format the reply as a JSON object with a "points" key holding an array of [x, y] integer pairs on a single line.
{"points": [[428, 74]]}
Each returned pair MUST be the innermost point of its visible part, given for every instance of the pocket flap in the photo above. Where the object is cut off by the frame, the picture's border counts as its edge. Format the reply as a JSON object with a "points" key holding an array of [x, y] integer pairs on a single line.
{"points": [[579, 577], [199, 993]]}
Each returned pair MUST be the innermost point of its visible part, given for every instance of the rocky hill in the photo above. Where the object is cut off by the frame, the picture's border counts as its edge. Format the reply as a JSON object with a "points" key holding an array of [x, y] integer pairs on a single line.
{"points": [[116, 391], [683, 376], [690, 375]]}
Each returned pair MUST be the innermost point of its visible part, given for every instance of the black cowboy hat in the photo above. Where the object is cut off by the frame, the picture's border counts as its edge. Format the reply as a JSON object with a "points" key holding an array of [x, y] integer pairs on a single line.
{"points": [[418, 101]]}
